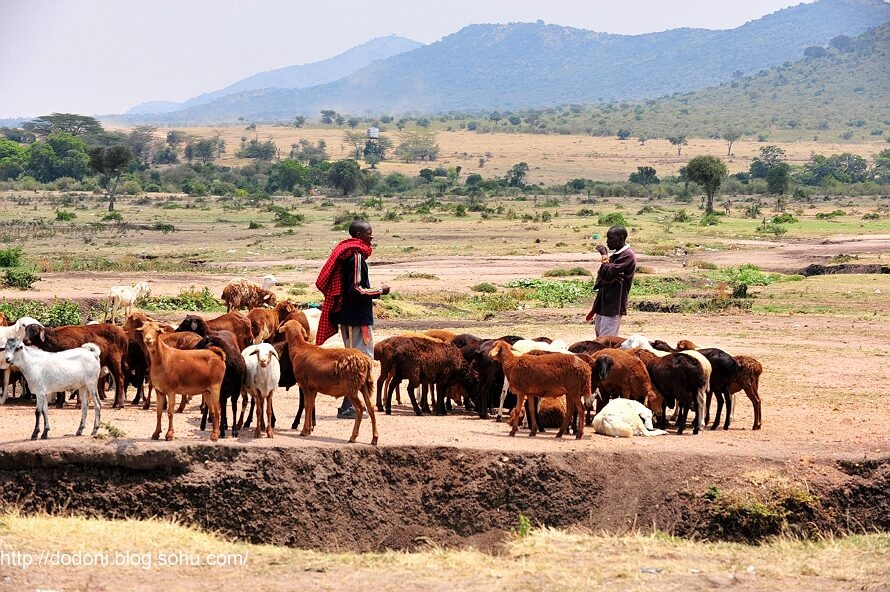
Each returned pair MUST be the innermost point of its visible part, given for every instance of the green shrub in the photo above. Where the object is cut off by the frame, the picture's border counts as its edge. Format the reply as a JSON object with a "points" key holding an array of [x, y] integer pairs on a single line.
{"points": [[131, 187], [767, 227], [562, 272], [484, 287], [191, 299], [784, 218], [60, 312], [11, 257], [391, 216], [711, 219], [681, 216], [830, 215], [286, 218], [751, 275], [871, 216], [164, 227], [554, 293], [20, 277], [344, 219], [612, 219], [586, 212], [113, 217], [254, 225], [65, 216]]}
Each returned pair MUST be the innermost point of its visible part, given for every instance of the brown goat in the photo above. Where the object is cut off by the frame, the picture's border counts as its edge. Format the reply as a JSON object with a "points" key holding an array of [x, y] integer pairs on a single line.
{"points": [[112, 342], [242, 293], [234, 322], [628, 379], [748, 379], [4, 320], [547, 375], [264, 322], [441, 334], [335, 372], [188, 372]]}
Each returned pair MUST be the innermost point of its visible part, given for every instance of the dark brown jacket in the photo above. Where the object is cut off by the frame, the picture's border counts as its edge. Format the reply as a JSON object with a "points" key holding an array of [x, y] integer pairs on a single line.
{"points": [[613, 282]]}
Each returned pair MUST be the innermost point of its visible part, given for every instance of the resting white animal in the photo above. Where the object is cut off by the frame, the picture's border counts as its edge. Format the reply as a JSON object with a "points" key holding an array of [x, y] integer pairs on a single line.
{"points": [[17, 329], [124, 297], [625, 418], [68, 370]]}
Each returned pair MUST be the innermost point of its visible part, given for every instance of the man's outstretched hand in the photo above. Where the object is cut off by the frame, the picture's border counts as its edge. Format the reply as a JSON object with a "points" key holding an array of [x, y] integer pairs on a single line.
{"points": [[589, 316]]}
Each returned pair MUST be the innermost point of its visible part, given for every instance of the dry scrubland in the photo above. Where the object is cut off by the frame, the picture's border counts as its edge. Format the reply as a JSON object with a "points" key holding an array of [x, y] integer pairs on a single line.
{"points": [[837, 328], [552, 159]]}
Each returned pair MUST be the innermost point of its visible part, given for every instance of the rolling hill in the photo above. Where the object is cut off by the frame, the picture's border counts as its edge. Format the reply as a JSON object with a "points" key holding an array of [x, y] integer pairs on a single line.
{"points": [[523, 65]]}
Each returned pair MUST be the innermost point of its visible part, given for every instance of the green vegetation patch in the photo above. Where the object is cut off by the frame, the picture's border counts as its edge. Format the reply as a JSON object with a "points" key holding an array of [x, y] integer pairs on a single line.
{"points": [[750, 275], [553, 293], [191, 300], [56, 314]]}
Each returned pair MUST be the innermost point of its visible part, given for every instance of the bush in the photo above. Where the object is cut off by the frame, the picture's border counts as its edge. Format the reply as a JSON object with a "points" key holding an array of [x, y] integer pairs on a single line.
{"points": [[711, 219], [20, 277], [562, 272], [391, 216], [344, 219], [65, 216], [681, 216], [11, 257], [113, 217], [191, 300], [285, 218], [164, 227], [767, 227], [750, 275], [785, 218], [830, 215], [131, 187], [612, 219], [60, 312], [871, 216], [254, 225], [484, 287]]}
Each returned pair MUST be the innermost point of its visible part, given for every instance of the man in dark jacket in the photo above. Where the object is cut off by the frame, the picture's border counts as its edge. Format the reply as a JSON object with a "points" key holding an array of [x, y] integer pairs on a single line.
{"points": [[613, 282], [349, 297]]}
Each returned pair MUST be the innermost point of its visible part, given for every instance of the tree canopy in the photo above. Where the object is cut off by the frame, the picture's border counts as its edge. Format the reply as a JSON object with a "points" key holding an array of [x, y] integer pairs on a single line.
{"points": [[707, 171]]}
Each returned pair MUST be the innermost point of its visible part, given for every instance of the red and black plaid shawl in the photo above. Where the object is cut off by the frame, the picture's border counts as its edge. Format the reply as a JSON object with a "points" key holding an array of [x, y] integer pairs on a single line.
{"points": [[330, 283]]}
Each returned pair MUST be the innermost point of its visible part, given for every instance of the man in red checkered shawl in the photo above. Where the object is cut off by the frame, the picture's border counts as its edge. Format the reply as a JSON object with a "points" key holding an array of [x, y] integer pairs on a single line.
{"points": [[348, 297]]}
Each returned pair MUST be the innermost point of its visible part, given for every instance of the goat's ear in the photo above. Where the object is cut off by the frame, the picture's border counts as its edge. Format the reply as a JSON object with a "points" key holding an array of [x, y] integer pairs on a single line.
{"points": [[267, 296], [255, 352], [194, 325], [42, 334], [275, 353]]}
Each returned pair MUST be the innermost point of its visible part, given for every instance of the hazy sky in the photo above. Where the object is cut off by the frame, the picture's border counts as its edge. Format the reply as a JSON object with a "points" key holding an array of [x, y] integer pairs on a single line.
{"points": [[105, 56]]}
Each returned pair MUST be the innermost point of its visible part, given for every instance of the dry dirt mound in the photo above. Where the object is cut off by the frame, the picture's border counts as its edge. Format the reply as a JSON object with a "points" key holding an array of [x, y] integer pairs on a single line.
{"points": [[363, 498]]}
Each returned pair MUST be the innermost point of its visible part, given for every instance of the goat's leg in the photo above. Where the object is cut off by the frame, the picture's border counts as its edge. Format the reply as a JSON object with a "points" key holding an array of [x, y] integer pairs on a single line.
{"points": [[730, 407], [245, 395], [504, 390], [36, 418], [300, 408], [441, 406], [424, 391], [682, 411], [699, 406], [310, 408], [97, 405], [366, 393], [533, 419], [7, 372], [260, 416], [381, 382], [185, 399], [719, 397], [234, 397], [391, 385], [84, 405], [517, 413], [417, 409], [359, 411], [171, 401], [271, 414], [161, 401], [147, 403], [213, 403], [753, 393]]}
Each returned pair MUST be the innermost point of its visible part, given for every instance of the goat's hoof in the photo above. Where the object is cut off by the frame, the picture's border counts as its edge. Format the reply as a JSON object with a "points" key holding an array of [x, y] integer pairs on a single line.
{"points": [[234, 433], [256, 433], [269, 434], [94, 432], [379, 407], [352, 440], [79, 432], [305, 433], [373, 441], [45, 435], [156, 435], [169, 436], [294, 426], [214, 437], [34, 435]]}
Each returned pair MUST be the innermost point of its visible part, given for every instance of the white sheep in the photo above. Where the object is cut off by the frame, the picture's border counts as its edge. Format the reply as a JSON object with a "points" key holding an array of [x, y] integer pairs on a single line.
{"points": [[17, 329], [269, 282], [68, 370], [625, 418], [523, 346], [260, 380], [313, 315], [124, 297]]}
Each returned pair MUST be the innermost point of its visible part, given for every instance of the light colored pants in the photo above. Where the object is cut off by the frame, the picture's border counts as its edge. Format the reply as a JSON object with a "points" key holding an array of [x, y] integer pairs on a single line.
{"points": [[606, 325], [354, 338]]}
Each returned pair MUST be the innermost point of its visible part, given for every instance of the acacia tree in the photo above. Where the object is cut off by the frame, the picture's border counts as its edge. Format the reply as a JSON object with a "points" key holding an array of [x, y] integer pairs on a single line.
{"points": [[707, 171], [730, 135], [677, 141], [69, 123], [345, 175], [110, 163]]}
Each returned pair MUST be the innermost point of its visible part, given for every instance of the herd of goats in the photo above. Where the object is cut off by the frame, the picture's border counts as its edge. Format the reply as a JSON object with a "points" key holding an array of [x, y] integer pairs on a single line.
{"points": [[619, 386]]}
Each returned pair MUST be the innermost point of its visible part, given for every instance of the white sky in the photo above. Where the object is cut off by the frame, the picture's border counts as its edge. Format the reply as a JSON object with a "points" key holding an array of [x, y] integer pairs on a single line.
{"points": [[105, 56]]}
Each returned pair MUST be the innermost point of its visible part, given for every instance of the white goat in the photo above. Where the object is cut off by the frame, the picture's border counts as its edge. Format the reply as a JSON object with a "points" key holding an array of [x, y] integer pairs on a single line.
{"points": [[124, 297], [523, 346], [269, 282], [17, 329], [260, 380], [625, 418], [46, 372], [313, 315]]}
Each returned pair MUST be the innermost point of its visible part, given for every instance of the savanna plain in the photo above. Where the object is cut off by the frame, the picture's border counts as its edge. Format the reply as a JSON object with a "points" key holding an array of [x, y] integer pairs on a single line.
{"points": [[454, 502]]}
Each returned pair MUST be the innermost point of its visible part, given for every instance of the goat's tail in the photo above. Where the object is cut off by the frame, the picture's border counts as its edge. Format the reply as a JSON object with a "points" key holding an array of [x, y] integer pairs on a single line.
{"points": [[93, 348], [218, 351]]}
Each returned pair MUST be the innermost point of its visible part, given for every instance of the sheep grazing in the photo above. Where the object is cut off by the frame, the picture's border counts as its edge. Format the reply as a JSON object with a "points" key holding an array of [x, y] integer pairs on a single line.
{"points": [[545, 375], [335, 372], [124, 297], [241, 293], [50, 372], [187, 372], [625, 418], [112, 342], [264, 322], [261, 378]]}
